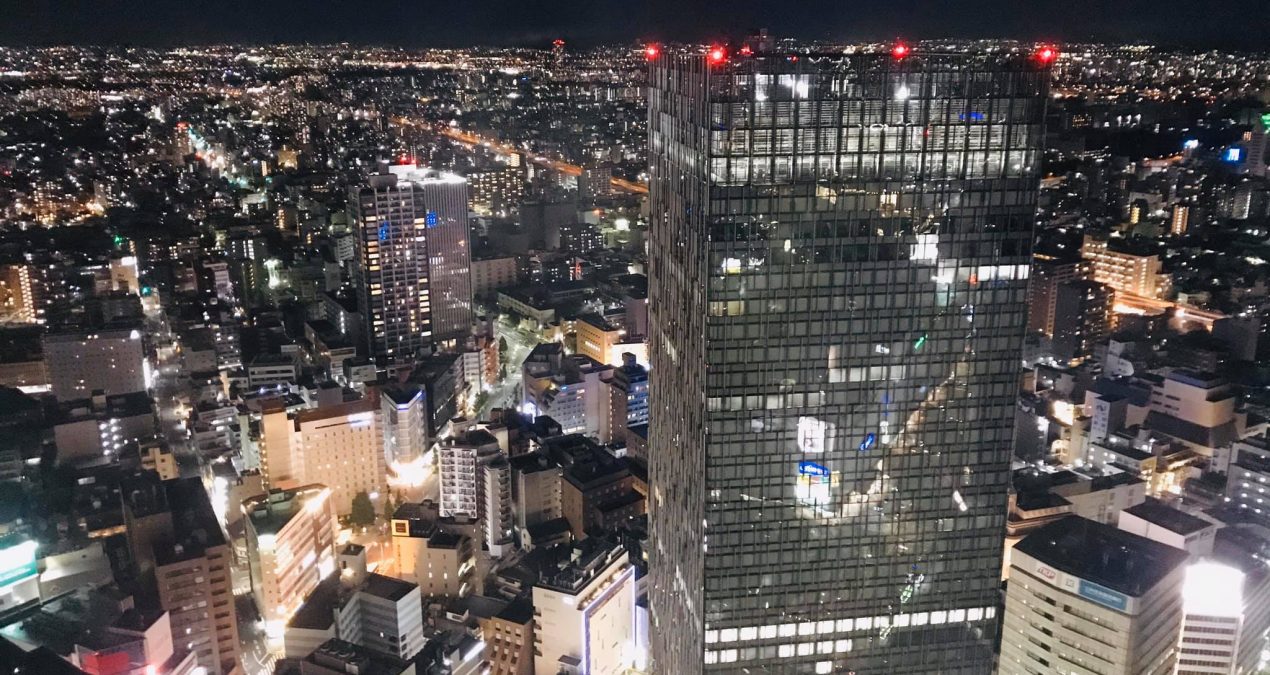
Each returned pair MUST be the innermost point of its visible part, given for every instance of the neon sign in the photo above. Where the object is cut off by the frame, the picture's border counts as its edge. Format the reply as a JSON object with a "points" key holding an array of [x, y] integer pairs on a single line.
{"points": [[813, 469]]}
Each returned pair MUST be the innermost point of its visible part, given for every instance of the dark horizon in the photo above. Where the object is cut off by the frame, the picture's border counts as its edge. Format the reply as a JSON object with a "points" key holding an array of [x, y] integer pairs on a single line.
{"points": [[1220, 24]]}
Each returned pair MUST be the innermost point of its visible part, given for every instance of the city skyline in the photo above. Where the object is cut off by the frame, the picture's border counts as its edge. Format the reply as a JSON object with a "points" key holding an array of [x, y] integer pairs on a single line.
{"points": [[1219, 24], [646, 357]]}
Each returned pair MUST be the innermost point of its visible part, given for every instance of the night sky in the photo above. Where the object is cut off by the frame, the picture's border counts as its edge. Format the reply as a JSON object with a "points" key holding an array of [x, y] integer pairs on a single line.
{"points": [[420, 23]]}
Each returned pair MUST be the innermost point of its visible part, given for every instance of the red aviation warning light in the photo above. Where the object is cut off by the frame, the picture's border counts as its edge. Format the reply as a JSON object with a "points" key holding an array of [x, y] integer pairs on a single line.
{"points": [[651, 52], [746, 51], [717, 55], [1046, 55], [900, 50], [557, 43]]}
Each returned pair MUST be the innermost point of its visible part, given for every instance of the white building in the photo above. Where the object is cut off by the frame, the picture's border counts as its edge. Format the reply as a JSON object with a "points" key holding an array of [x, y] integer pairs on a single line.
{"points": [[1212, 606], [461, 460], [1088, 598], [496, 509], [109, 360], [290, 548], [340, 445], [570, 389], [586, 614], [1156, 520], [372, 610], [405, 421]]}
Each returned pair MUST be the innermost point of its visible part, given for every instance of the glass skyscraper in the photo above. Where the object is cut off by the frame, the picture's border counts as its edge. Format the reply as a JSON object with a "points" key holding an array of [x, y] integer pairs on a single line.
{"points": [[838, 265]]}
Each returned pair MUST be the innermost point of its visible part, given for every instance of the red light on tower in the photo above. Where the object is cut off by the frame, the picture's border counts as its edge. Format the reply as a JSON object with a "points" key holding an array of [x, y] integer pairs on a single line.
{"points": [[746, 51], [900, 50], [717, 55], [651, 52], [1046, 55]]}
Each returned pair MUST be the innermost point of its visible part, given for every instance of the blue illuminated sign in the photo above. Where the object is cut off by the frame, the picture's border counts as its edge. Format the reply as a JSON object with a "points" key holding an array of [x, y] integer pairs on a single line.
{"points": [[868, 442], [972, 116], [1103, 595], [430, 218], [383, 231], [812, 469], [1234, 155], [1190, 144]]}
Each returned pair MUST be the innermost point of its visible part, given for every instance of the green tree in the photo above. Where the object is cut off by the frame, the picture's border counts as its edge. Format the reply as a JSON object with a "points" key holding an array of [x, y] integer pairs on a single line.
{"points": [[503, 352], [390, 507], [363, 511]]}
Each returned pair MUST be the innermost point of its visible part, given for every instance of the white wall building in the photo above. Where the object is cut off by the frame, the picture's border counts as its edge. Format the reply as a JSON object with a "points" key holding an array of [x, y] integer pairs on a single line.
{"points": [[1088, 598], [1212, 605], [586, 615]]}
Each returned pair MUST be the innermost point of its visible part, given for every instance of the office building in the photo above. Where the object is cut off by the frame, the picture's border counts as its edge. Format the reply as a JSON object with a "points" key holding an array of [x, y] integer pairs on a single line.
{"points": [[598, 338], [1160, 522], [412, 263], [340, 445], [628, 399], [290, 548], [440, 560], [585, 612], [1087, 597], [838, 258], [107, 360]]}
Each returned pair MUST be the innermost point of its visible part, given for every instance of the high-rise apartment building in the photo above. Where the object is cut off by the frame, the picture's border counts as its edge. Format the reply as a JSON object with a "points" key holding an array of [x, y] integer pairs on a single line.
{"points": [[1134, 272], [1082, 317], [412, 268], [21, 293], [1042, 293], [839, 249]]}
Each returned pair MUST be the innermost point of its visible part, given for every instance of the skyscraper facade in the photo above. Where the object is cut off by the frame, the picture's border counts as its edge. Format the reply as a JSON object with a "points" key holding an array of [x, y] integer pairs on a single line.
{"points": [[412, 266], [839, 254]]}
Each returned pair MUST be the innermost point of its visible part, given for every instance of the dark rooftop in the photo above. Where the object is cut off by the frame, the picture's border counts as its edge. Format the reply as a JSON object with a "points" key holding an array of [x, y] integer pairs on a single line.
{"points": [[388, 588], [519, 611], [1102, 554], [1157, 512]]}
